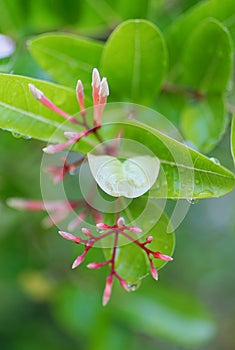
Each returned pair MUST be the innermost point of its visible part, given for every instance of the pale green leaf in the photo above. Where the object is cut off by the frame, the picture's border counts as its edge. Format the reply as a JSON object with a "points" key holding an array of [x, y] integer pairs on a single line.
{"points": [[130, 178], [134, 60]]}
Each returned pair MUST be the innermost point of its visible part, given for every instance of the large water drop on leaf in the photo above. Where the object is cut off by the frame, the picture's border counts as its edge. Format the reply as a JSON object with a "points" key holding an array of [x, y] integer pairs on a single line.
{"points": [[130, 178]]}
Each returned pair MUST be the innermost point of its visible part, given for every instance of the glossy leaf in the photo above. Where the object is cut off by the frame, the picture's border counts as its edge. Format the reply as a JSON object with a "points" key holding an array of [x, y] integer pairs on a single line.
{"points": [[208, 63], [180, 31], [169, 313], [184, 173], [131, 262], [134, 60], [22, 114], [203, 122], [67, 57], [233, 139], [130, 178]]}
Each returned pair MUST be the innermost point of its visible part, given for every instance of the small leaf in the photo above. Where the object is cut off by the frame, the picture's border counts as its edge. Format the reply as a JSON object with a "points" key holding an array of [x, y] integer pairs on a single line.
{"points": [[233, 138], [208, 63], [22, 114], [203, 122], [184, 173], [181, 29], [130, 179], [67, 57], [134, 60]]}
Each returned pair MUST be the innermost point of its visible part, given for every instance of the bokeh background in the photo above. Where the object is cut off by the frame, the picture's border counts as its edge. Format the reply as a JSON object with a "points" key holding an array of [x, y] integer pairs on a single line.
{"points": [[45, 305]]}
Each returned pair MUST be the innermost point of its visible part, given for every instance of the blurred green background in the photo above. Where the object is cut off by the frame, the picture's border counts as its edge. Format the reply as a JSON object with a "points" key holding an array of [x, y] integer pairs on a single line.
{"points": [[43, 304]]}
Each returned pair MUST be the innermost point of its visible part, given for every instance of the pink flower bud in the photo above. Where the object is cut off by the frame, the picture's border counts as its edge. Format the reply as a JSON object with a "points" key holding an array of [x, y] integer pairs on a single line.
{"points": [[135, 229], [94, 265], [149, 239], [78, 261], [121, 222], [86, 231], [154, 272], [107, 290], [162, 256], [70, 237], [124, 285], [51, 149], [80, 97], [104, 89], [37, 94], [102, 226], [95, 78]]}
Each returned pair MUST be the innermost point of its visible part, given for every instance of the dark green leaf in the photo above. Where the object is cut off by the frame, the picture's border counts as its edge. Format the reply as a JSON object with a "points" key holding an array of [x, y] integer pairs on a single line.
{"points": [[203, 122], [67, 57], [180, 31], [134, 60], [208, 58]]}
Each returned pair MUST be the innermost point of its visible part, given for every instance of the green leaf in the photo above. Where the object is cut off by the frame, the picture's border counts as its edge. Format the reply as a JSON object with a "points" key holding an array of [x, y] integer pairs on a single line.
{"points": [[203, 122], [101, 17], [134, 60], [67, 57], [233, 139], [20, 113], [168, 313], [131, 262], [130, 178], [184, 173], [208, 58], [180, 32]]}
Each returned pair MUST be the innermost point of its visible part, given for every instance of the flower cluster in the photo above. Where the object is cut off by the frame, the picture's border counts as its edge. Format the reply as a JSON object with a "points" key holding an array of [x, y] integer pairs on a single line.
{"points": [[100, 91], [58, 210], [116, 230]]}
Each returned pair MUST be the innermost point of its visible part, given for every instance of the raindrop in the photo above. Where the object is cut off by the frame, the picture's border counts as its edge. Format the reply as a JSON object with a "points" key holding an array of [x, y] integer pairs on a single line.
{"points": [[16, 135], [73, 171], [215, 160], [26, 137], [99, 230], [192, 200], [132, 287]]}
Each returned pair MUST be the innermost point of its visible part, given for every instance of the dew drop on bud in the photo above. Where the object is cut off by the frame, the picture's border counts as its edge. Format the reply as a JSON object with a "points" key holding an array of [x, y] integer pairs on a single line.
{"points": [[132, 287]]}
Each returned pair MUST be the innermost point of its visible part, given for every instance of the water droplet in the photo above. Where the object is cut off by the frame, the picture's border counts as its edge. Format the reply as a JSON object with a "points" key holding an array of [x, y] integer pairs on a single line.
{"points": [[27, 137], [215, 160], [99, 230], [16, 135], [73, 171], [192, 200], [132, 287]]}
